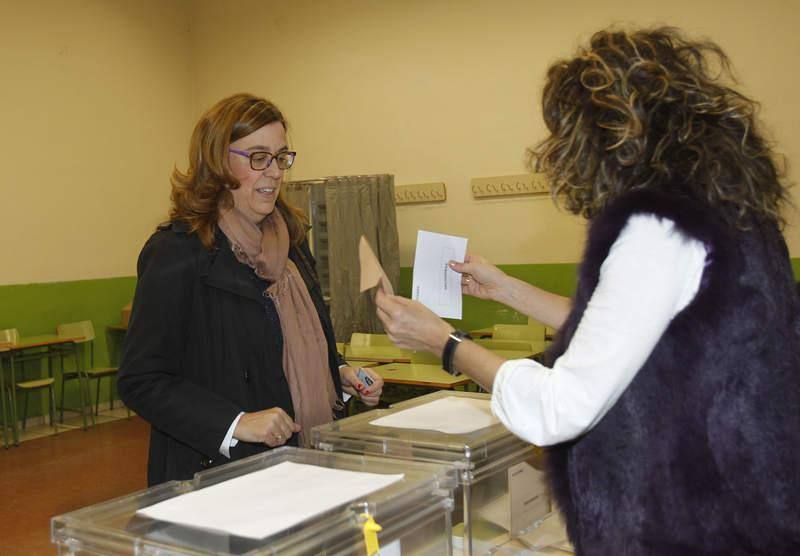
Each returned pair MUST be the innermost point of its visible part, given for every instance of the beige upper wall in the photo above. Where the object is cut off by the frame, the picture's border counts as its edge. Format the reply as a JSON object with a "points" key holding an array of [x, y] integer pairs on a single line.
{"points": [[448, 90], [99, 98], [94, 101]]}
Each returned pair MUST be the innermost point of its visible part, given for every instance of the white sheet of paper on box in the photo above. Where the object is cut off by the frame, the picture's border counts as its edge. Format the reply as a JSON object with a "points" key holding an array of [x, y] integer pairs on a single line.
{"points": [[448, 415], [268, 501], [435, 284]]}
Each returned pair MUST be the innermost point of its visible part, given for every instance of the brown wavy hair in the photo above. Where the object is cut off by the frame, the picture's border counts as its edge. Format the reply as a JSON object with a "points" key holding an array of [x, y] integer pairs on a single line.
{"points": [[651, 108], [198, 193]]}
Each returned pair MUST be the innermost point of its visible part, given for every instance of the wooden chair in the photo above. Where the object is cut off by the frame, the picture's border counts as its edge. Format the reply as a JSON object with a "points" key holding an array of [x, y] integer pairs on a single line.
{"points": [[374, 347], [494, 344], [533, 330], [85, 329], [7, 340], [11, 336]]}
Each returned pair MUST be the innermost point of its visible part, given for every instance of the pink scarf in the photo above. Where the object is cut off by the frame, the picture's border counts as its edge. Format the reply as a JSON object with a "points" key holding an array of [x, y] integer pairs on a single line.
{"points": [[305, 349]]}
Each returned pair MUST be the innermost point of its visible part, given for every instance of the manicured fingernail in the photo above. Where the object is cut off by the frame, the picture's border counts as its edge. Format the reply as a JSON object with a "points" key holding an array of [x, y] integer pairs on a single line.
{"points": [[452, 264]]}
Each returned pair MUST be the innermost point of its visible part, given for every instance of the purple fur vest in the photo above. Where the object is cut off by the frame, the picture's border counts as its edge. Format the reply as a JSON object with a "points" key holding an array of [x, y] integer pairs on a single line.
{"points": [[701, 453]]}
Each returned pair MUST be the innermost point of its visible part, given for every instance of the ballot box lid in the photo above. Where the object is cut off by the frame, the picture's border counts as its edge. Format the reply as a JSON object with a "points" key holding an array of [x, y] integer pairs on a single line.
{"points": [[118, 527], [478, 450]]}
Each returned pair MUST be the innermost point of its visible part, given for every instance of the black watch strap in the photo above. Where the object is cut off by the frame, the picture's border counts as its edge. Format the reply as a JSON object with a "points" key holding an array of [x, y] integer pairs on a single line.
{"points": [[456, 337]]}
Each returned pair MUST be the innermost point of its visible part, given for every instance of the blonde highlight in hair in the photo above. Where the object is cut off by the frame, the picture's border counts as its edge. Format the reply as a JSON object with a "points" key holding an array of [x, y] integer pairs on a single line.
{"points": [[651, 109], [199, 193]]}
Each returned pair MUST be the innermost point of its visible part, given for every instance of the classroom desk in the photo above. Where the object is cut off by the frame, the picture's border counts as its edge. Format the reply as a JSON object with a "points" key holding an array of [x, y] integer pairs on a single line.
{"points": [[419, 374], [431, 375], [378, 354], [13, 351], [485, 332], [359, 363]]}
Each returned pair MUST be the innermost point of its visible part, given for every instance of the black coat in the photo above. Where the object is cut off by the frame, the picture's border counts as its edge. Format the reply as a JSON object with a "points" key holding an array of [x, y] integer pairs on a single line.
{"points": [[701, 452], [204, 344]]}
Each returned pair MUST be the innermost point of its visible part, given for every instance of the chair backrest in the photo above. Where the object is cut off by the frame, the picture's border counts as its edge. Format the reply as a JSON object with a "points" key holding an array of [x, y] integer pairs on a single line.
{"points": [[374, 346], [532, 331], [423, 357], [83, 329], [9, 336], [361, 339], [505, 345]]}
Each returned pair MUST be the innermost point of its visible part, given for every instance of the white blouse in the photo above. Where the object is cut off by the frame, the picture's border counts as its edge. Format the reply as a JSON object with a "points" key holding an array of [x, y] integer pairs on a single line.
{"points": [[651, 273]]}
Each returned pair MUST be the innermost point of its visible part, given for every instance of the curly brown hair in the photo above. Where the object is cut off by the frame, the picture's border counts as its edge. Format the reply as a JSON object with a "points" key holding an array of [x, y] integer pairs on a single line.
{"points": [[199, 193], [651, 108]]}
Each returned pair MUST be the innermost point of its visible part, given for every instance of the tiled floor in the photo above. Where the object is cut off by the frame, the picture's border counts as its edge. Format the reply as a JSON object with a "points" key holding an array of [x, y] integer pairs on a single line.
{"points": [[49, 475]]}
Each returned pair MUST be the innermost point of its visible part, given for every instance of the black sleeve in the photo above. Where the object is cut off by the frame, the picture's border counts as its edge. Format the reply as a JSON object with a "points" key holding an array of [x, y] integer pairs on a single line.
{"points": [[152, 380]]}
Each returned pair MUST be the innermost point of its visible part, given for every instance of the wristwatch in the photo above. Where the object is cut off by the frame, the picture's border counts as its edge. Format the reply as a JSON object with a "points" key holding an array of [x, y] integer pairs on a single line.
{"points": [[456, 337]]}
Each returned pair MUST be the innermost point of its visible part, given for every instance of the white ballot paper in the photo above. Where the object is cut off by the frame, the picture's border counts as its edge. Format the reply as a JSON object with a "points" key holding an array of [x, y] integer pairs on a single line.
{"points": [[266, 502], [435, 284], [448, 415]]}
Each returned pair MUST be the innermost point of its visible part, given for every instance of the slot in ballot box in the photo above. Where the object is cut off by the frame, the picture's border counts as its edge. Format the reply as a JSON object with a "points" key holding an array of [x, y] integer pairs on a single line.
{"points": [[501, 489], [413, 510]]}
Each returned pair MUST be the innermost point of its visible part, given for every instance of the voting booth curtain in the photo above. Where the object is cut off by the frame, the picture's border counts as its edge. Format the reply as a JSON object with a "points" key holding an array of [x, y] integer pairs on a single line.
{"points": [[341, 209]]}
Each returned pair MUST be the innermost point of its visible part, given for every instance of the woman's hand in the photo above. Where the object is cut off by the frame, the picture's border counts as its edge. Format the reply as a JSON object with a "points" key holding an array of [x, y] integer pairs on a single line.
{"points": [[370, 395], [411, 325], [480, 278], [272, 427]]}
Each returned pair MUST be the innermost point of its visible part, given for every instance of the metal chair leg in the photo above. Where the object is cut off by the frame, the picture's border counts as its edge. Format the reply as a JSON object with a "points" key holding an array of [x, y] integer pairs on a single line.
{"points": [[81, 384], [63, 383], [53, 407], [3, 402], [12, 389], [89, 397], [97, 398], [25, 411], [111, 382], [5, 416]]}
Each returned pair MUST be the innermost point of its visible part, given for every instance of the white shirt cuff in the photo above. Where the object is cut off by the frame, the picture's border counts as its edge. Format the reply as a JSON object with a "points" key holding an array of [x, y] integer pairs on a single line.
{"points": [[345, 395], [229, 441]]}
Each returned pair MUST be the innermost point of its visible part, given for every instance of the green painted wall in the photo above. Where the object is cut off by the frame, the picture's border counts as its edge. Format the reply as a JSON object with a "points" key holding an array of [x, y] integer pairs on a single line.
{"points": [[37, 308]]}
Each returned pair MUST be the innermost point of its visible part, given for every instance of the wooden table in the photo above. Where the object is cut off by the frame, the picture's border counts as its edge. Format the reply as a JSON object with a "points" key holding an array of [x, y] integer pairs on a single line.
{"points": [[378, 354], [15, 351], [420, 374], [485, 332]]}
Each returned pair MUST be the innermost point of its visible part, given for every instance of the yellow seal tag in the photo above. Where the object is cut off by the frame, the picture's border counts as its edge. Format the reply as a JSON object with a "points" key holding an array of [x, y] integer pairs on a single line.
{"points": [[371, 535]]}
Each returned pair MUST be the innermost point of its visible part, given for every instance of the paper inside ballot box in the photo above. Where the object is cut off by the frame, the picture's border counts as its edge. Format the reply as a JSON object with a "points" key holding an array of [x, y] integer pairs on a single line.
{"points": [[526, 502], [372, 273]]}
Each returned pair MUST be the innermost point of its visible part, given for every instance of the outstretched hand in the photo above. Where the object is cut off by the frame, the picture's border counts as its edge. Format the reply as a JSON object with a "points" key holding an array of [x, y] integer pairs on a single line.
{"points": [[410, 324], [479, 278]]}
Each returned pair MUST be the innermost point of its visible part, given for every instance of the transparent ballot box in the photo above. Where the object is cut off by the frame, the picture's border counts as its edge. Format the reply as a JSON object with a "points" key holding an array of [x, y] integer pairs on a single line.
{"points": [[501, 491], [406, 510]]}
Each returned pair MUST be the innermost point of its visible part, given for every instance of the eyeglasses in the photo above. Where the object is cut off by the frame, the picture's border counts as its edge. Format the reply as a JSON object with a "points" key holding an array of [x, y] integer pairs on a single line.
{"points": [[261, 160]]}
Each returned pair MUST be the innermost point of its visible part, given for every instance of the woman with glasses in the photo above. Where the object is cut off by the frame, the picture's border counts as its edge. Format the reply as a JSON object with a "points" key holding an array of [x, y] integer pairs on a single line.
{"points": [[670, 398], [230, 349]]}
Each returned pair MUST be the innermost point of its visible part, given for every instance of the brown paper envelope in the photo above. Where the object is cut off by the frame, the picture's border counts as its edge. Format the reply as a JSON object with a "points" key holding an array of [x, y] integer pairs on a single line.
{"points": [[372, 273]]}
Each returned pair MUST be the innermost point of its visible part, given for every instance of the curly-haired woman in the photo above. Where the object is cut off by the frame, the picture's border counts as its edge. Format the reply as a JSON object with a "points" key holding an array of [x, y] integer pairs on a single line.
{"points": [[230, 349], [671, 396]]}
